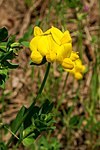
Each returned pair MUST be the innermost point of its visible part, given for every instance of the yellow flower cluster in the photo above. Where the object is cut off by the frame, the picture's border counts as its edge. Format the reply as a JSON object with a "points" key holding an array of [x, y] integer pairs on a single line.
{"points": [[78, 68], [55, 45]]}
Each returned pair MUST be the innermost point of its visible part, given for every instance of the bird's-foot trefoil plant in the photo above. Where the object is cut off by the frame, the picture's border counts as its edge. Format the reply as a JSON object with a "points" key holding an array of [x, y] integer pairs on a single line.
{"points": [[47, 47]]}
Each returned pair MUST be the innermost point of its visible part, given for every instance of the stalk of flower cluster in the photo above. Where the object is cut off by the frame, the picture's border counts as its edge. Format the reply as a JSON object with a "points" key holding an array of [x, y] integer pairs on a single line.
{"points": [[31, 106], [64, 85]]}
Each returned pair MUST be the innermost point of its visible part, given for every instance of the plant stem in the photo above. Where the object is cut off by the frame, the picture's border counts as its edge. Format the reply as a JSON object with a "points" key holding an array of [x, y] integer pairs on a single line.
{"points": [[65, 81], [32, 105]]}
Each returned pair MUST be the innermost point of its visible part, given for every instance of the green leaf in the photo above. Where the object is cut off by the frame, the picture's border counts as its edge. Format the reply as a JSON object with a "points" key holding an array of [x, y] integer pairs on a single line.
{"points": [[19, 116], [3, 77], [28, 141], [28, 120], [1, 50], [47, 107], [48, 144], [29, 130], [38, 120], [2, 146], [9, 55], [15, 45], [3, 34], [3, 46], [25, 43], [10, 41], [10, 65]]}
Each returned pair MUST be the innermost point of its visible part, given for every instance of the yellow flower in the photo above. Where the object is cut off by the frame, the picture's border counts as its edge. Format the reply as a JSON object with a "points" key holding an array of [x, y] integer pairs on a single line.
{"points": [[78, 69], [53, 44], [67, 63]]}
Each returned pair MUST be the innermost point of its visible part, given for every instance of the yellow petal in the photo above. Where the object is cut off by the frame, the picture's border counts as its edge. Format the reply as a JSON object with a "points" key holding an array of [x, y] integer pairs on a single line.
{"points": [[67, 63], [36, 57], [47, 32], [83, 69], [67, 49], [66, 38], [56, 34], [78, 75], [74, 56], [51, 56], [43, 45], [64, 51], [78, 62], [34, 43], [79, 67], [60, 54], [37, 31], [53, 46]]}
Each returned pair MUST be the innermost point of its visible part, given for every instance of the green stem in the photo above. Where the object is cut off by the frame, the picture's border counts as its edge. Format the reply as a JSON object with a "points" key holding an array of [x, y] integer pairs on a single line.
{"points": [[65, 81], [44, 80], [31, 106]]}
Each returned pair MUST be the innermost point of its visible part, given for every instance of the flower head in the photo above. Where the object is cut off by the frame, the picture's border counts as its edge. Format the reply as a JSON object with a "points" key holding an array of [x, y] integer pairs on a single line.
{"points": [[55, 45], [78, 69]]}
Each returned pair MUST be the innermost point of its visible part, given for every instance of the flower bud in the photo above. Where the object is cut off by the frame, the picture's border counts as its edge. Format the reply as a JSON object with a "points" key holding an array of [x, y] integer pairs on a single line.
{"points": [[67, 63], [78, 75], [74, 56]]}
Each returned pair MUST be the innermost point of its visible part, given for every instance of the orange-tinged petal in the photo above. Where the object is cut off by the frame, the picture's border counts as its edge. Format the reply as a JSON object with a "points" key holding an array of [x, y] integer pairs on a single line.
{"points": [[66, 38], [37, 31], [36, 57]]}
